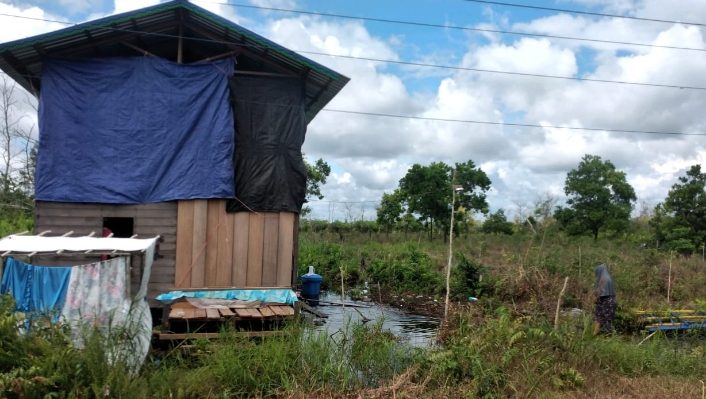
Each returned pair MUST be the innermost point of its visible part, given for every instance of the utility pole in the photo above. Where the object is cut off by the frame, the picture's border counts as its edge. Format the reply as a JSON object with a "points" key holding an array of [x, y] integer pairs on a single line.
{"points": [[454, 188]]}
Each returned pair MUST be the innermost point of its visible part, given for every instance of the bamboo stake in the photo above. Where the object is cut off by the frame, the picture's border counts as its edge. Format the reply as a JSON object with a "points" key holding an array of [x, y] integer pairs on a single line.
{"points": [[647, 337], [343, 295], [579, 262], [558, 303], [669, 279], [451, 240]]}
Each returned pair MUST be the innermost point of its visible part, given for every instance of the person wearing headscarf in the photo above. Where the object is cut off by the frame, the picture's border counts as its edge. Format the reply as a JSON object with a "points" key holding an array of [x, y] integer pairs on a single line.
{"points": [[605, 300]]}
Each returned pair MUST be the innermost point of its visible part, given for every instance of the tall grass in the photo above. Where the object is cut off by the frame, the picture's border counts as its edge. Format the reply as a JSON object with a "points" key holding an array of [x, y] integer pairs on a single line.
{"points": [[44, 364]]}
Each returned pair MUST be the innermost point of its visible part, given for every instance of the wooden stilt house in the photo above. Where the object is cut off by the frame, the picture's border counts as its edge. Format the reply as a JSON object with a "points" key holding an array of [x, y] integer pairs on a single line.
{"points": [[243, 237]]}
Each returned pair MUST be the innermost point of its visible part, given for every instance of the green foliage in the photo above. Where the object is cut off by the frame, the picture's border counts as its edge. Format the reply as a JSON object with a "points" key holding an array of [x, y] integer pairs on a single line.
{"points": [[45, 365], [465, 278], [389, 213], [316, 176], [496, 223], [680, 222], [19, 222], [425, 191], [409, 270], [599, 198]]}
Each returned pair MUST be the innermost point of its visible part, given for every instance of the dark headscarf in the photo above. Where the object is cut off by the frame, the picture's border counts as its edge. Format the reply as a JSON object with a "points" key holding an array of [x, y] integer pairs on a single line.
{"points": [[604, 283]]}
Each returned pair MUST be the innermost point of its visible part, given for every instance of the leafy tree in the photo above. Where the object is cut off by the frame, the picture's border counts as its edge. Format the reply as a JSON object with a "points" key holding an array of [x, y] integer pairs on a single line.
{"points": [[680, 222], [426, 191], [18, 154], [389, 213], [599, 198], [496, 223], [408, 223], [316, 175]]}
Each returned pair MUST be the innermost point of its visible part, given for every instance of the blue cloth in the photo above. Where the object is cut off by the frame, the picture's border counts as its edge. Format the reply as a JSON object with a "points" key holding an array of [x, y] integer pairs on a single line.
{"points": [[36, 289], [134, 130], [275, 295]]}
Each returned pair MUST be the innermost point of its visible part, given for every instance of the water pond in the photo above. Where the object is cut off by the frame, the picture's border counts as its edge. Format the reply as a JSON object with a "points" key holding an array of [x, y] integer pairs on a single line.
{"points": [[416, 329]]}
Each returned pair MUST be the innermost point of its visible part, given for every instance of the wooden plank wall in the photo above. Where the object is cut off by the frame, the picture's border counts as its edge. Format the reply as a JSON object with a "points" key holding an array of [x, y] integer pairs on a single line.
{"points": [[149, 220], [220, 249]]}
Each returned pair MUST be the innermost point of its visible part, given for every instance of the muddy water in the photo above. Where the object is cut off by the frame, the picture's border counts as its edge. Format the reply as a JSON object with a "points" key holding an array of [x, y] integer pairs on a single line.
{"points": [[418, 330]]}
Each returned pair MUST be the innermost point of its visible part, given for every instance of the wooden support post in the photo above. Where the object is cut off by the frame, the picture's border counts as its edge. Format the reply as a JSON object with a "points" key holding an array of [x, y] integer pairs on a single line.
{"points": [[558, 303], [180, 49], [669, 279], [140, 50]]}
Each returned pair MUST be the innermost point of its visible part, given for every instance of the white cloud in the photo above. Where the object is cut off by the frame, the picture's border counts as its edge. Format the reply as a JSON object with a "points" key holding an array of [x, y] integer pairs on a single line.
{"points": [[121, 6], [18, 28], [370, 154], [286, 4], [221, 9]]}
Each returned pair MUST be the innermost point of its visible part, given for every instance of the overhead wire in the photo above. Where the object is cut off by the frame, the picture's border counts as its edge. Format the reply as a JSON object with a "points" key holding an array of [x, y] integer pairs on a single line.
{"points": [[480, 122], [414, 117], [398, 62], [581, 12], [452, 27]]}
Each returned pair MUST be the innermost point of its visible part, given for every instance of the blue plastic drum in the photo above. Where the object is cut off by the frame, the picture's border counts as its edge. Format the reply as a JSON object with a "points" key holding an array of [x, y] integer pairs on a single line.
{"points": [[311, 287]]}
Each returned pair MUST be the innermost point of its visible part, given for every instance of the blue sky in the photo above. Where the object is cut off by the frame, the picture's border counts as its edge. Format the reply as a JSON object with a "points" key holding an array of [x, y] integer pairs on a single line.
{"points": [[369, 155]]}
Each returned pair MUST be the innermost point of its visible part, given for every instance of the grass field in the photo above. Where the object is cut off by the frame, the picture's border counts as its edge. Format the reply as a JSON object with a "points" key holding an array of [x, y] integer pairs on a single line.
{"points": [[504, 345]]}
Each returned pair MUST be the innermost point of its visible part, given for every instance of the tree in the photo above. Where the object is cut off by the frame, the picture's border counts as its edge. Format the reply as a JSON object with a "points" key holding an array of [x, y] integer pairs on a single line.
{"points": [[680, 221], [496, 223], [17, 151], [599, 198], [316, 175], [389, 213], [425, 191]]}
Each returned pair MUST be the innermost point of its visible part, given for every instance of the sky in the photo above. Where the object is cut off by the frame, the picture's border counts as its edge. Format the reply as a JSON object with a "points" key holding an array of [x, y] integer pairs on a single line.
{"points": [[370, 154]]}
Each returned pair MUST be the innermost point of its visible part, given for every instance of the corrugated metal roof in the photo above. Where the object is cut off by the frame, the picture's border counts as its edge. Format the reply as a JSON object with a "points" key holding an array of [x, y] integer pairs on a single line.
{"points": [[22, 59]]}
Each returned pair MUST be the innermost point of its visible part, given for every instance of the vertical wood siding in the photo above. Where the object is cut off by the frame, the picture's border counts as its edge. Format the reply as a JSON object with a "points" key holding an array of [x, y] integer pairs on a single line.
{"points": [[202, 246], [220, 249]]}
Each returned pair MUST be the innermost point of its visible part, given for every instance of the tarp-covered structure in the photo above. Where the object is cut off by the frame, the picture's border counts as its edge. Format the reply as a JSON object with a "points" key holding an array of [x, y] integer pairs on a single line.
{"points": [[270, 171], [134, 130], [134, 109], [172, 120]]}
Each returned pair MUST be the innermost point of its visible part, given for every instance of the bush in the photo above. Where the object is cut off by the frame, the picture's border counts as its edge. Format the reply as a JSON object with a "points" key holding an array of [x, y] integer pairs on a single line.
{"points": [[465, 278], [410, 270], [497, 223]]}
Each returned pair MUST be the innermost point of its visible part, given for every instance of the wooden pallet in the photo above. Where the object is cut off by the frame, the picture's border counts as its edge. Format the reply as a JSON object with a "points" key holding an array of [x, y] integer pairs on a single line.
{"points": [[187, 336], [186, 311]]}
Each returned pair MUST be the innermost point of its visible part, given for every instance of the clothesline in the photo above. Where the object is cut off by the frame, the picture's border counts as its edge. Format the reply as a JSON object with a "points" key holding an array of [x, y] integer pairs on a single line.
{"points": [[30, 245]]}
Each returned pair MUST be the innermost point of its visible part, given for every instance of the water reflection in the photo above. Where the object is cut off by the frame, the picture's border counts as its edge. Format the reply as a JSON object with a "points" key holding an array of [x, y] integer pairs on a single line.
{"points": [[416, 329]]}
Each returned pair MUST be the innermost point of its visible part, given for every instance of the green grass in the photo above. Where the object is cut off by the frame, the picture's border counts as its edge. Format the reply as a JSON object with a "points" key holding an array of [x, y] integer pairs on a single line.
{"points": [[505, 345]]}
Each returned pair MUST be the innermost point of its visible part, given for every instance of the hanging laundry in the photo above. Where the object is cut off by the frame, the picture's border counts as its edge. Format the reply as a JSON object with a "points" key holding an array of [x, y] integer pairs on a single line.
{"points": [[97, 298], [37, 290], [96, 293]]}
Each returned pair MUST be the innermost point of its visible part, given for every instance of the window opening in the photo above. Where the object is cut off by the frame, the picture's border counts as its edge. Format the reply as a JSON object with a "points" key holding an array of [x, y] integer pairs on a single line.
{"points": [[120, 227]]}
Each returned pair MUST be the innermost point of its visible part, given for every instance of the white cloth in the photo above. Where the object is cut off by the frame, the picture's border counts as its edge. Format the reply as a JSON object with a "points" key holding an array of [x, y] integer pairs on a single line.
{"points": [[97, 298], [29, 244]]}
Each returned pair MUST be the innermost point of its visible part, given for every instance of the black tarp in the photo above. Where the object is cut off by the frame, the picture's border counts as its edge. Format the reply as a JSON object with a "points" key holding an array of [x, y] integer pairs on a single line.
{"points": [[270, 127]]}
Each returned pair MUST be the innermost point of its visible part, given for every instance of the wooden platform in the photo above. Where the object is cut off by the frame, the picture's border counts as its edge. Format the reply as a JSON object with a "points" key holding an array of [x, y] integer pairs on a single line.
{"points": [[263, 312]]}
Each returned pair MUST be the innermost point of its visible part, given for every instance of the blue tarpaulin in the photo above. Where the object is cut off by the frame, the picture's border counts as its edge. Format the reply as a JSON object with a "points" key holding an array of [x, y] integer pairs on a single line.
{"points": [[134, 130], [273, 295], [36, 289]]}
